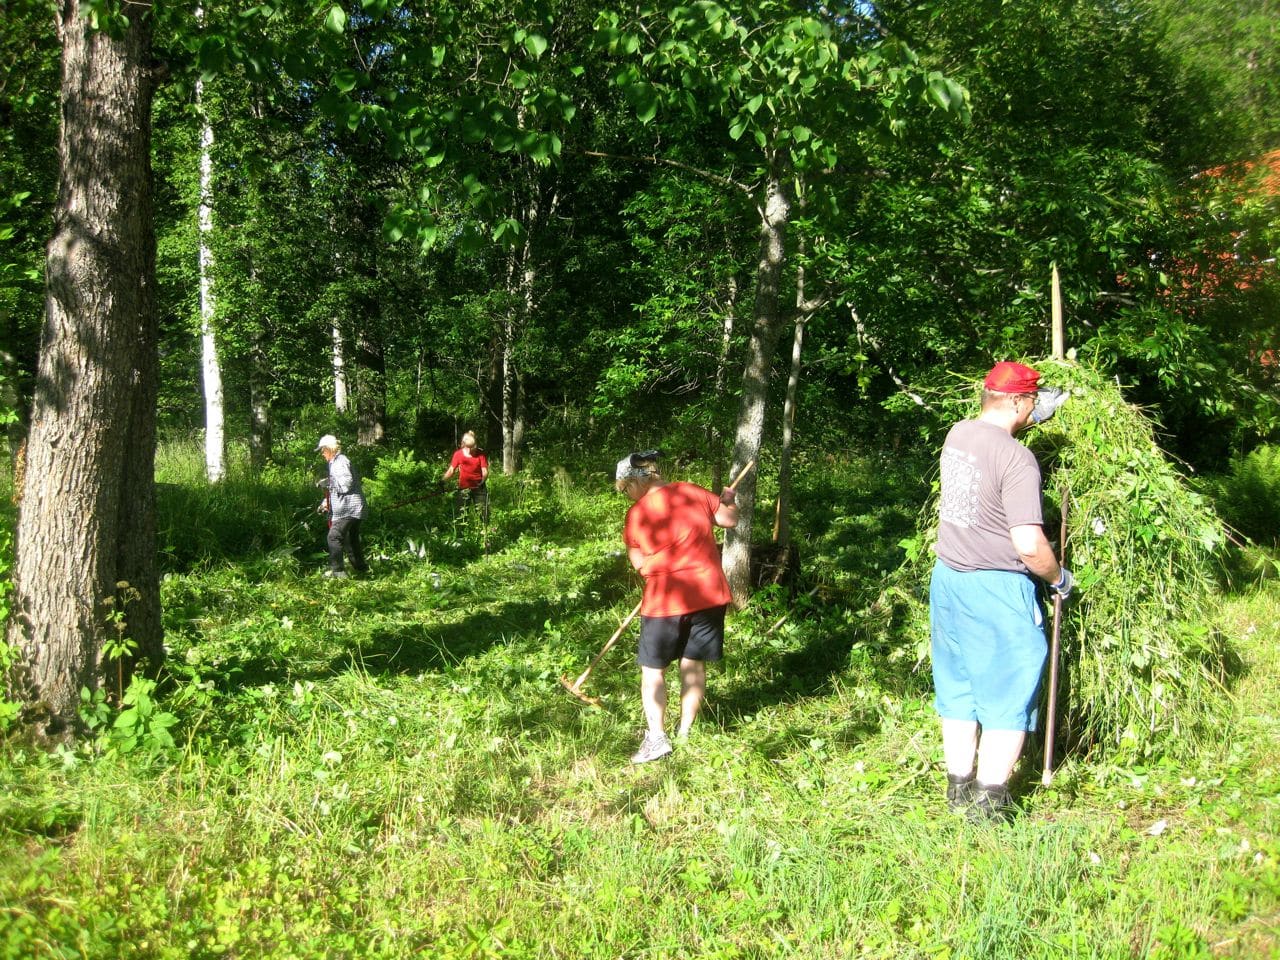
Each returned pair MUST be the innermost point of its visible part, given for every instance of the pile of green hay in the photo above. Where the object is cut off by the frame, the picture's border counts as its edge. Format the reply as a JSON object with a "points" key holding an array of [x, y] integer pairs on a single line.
{"points": [[1144, 670]]}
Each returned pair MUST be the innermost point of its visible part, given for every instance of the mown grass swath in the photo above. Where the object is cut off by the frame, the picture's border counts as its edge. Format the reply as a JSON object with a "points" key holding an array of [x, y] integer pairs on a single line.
{"points": [[1144, 672]]}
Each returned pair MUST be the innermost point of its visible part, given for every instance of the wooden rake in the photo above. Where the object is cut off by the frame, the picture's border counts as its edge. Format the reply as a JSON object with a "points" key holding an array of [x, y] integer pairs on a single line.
{"points": [[575, 688]]}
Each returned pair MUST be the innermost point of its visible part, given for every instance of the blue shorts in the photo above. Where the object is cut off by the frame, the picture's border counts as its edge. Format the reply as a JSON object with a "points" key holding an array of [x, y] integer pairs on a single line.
{"points": [[988, 647]]}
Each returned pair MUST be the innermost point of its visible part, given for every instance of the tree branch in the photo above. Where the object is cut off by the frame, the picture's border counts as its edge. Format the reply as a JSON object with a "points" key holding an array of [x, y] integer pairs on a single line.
{"points": [[663, 162], [867, 340]]}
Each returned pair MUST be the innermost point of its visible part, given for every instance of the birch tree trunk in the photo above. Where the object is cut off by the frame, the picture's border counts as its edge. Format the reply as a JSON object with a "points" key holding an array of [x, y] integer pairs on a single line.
{"points": [[510, 389], [259, 402], [804, 310], [87, 521], [722, 377], [765, 327], [782, 513], [214, 425], [339, 372]]}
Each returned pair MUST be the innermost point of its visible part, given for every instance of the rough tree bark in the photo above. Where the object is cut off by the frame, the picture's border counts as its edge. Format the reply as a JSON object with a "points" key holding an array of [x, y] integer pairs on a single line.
{"points": [[765, 327], [87, 521]]}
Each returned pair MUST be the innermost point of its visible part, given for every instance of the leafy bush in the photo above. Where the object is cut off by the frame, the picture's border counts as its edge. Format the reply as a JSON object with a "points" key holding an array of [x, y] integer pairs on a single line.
{"points": [[401, 477], [1248, 495], [1144, 671]]}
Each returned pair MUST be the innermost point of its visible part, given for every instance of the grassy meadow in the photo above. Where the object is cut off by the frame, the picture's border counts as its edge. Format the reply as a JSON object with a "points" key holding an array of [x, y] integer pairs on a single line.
{"points": [[389, 767]]}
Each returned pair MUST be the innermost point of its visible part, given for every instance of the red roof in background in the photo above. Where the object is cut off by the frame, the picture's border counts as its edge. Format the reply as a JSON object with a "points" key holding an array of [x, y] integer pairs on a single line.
{"points": [[1269, 182]]}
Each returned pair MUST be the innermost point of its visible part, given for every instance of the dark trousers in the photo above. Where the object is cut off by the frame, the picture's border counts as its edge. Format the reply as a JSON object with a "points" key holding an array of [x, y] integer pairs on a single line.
{"points": [[465, 498], [345, 535]]}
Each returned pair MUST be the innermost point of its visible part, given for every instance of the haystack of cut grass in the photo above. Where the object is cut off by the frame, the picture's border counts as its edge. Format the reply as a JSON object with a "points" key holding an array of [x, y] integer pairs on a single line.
{"points": [[1143, 669]]}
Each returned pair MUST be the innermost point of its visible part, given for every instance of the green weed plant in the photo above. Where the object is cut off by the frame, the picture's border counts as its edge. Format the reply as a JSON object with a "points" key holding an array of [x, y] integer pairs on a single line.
{"points": [[1247, 495]]}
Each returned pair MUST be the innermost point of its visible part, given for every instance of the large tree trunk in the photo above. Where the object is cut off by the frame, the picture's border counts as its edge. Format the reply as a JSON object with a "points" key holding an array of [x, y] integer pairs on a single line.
{"points": [[766, 325], [214, 421], [87, 520]]}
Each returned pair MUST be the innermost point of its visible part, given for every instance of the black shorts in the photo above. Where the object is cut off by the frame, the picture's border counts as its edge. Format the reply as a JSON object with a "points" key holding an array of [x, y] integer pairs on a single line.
{"points": [[693, 636]]}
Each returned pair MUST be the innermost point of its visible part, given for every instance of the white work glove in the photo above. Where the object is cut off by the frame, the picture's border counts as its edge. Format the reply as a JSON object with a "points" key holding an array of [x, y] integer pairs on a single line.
{"points": [[1048, 401], [1065, 582]]}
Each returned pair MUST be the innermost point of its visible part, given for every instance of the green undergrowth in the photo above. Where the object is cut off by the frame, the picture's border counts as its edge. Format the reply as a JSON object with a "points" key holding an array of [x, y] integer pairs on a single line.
{"points": [[390, 768]]}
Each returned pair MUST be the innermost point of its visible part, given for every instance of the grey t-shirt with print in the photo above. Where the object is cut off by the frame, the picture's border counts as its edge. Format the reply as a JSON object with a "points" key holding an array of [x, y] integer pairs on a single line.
{"points": [[990, 483]]}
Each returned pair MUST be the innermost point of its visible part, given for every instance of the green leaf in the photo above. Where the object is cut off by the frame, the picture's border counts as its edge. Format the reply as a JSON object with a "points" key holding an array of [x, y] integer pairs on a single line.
{"points": [[536, 45], [346, 79], [336, 21]]}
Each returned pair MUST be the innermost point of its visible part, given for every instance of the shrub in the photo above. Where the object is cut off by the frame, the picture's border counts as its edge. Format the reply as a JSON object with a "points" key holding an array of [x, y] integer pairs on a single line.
{"points": [[1144, 672], [400, 477], [1248, 495]]}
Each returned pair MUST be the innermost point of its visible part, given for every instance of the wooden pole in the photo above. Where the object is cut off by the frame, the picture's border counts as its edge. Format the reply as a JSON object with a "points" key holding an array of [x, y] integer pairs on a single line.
{"points": [[1059, 328], [1051, 708]]}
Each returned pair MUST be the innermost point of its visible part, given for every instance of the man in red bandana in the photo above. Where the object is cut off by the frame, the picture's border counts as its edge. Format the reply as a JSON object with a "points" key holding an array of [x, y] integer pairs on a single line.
{"points": [[988, 644]]}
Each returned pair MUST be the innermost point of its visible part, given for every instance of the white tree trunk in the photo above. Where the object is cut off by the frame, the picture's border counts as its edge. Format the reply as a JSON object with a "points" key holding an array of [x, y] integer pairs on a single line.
{"points": [[339, 373], [781, 517], [722, 378], [211, 370]]}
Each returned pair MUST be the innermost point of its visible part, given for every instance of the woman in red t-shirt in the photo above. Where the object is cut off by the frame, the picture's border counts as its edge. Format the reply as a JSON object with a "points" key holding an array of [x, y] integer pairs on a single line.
{"points": [[472, 467], [670, 538]]}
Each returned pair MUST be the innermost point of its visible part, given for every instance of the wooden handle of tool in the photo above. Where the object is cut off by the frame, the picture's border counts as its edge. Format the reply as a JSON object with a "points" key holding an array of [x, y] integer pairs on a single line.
{"points": [[577, 684], [742, 473], [1051, 708]]}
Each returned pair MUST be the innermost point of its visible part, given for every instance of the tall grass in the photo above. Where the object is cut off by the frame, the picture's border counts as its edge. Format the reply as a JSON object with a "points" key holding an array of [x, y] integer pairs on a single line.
{"points": [[389, 769]]}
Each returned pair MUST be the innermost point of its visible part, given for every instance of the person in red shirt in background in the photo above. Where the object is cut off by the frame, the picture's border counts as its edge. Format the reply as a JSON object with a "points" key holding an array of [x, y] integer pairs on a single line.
{"points": [[670, 538], [472, 467]]}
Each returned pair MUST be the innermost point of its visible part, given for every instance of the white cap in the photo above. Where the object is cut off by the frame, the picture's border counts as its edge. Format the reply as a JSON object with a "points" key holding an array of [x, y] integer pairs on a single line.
{"points": [[636, 465], [327, 442]]}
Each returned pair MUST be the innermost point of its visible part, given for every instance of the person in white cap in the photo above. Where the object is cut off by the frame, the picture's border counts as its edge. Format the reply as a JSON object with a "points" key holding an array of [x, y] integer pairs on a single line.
{"points": [[345, 506], [670, 538]]}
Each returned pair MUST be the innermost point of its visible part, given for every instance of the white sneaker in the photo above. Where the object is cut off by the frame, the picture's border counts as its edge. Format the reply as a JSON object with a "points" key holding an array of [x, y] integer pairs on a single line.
{"points": [[655, 747]]}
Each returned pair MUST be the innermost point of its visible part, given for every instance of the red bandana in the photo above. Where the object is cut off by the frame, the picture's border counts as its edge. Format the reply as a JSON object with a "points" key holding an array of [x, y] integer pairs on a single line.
{"points": [[1009, 377]]}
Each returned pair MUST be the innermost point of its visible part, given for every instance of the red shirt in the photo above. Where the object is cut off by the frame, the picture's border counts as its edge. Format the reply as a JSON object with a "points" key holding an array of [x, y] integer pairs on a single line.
{"points": [[469, 467], [674, 527]]}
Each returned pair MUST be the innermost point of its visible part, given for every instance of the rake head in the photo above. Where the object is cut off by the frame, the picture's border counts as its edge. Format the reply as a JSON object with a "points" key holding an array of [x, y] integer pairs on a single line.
{"points": [[577, 693]]}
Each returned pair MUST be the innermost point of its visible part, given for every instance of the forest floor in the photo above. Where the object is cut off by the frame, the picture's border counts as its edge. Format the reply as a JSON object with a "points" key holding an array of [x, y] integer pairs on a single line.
{"points": [[390, 768]]}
